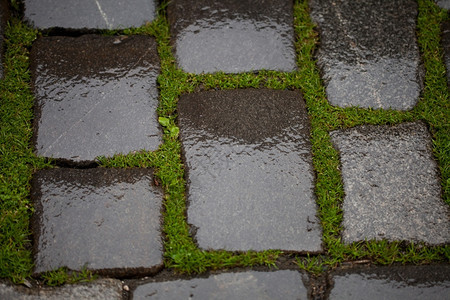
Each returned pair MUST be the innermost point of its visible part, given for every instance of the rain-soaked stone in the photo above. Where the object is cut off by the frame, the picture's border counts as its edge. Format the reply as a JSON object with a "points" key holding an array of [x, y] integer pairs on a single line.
{"points": [[4, 16], [99, 289], [368, 52], [284, 284], [106, 220], [395, 282], [89, 14], [443, 3], [446, 46], [95, 95], [391, 184], [249, 171], [232, 36]]}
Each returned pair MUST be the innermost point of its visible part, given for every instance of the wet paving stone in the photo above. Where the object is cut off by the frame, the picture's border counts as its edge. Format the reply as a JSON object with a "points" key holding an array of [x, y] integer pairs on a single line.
{"points": [[232, 36], [4, 16], [249, 172], [106, 220], [368, 52], [107, 289], [395, 282], [446, 46], [247, 285], [391, 184], [95, 95], [89, 14]]}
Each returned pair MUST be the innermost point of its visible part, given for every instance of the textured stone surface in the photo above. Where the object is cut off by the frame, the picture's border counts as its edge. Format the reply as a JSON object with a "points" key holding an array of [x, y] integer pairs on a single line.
{"points": [[90, 14], [391, 183], [250, 179], [233, 36], [95, 95], [443, 3], [368, 52], [446, 46], [4, 16], [247, 285], [105, 219], [107, 289], [403, 282]]}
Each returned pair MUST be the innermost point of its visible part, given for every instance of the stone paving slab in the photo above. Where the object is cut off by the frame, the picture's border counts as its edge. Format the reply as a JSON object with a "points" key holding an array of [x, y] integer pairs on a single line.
{"points": [[368, 52], [89, 14], [249, 170], [107, 220], [443, 3], [107, 289], [446, 46], [395, 282], [247, 285], [95, 95], [391, 184], [4, 16], [232, 36]]}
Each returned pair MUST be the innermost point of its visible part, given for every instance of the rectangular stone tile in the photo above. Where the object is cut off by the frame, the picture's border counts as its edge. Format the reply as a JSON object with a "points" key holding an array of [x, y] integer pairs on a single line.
{"points": [[89, 14], [232, 36], [368, 52], [391, 183], [249, 170], [395, 282], [107, 289], [107, 220], [95, 95], [4, 16], [247, 285]]}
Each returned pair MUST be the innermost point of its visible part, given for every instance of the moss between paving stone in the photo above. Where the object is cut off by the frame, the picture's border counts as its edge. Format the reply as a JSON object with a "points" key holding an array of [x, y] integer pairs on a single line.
{"points": [[18, 162]]}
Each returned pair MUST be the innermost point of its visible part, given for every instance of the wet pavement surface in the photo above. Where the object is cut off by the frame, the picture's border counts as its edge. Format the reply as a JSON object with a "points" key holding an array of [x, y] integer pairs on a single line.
{"points": [[4, 16], [247, 153], [102, 289], [368, 52], [246, 285], [95, 96], [89, 14], [391, 184], [395, 282], [106, 220], [244, 149], [232, 36]]}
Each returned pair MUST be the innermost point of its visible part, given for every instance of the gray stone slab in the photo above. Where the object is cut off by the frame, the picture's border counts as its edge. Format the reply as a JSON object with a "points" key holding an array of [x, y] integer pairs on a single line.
{"points": [[106, 220], [249, 171], [395, 282], [4, 16], [368, 52], [391, 183], [89, 14], [95, 95], [107, 289], [446, 46], [232, 36], [247, 285], [443, 3]]}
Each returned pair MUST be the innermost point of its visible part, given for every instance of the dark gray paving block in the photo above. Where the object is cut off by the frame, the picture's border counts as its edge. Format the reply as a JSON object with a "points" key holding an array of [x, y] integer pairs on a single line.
{"points": [[250, 178], [90, 14], [443, 3], [4, 16], [368, 52], [446, 46], [107, 289], [107, 220], [233, 36], [95, 95], [395, 282], [391, 183], [247, 285]]}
